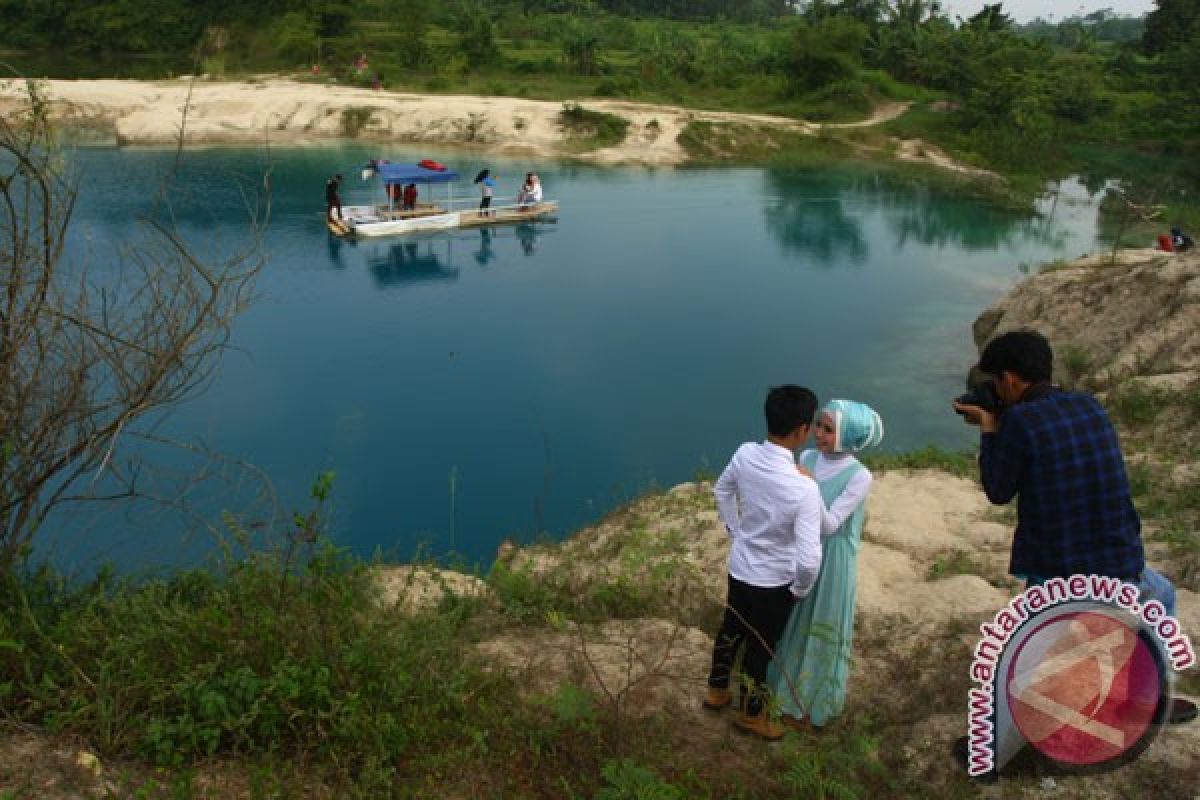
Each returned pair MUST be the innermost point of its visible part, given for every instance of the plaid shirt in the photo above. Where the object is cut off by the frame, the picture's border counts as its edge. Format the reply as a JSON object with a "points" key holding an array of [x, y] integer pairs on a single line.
{"points": [[1059, 454]]}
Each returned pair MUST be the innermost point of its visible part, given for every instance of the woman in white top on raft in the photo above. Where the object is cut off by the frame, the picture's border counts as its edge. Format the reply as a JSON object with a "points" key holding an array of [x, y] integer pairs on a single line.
{"points": [[531, 192], [812, 659]]}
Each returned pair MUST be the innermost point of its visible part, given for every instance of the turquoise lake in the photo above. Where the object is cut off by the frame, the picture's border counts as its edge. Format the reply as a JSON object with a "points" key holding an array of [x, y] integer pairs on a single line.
{"points": [[524, 381]]}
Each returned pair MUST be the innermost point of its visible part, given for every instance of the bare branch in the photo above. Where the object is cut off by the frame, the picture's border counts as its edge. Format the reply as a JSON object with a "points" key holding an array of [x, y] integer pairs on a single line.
{"points": [[82, 362]]}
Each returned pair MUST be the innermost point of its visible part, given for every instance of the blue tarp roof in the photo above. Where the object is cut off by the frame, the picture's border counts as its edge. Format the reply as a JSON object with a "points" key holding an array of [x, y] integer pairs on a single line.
{"points": [[411, 173]]}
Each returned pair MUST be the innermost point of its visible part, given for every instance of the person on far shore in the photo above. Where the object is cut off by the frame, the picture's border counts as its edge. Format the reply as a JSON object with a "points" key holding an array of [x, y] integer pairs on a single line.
{"points": [[773, 515], [1180, 241], [332, 199], [812, 661]]}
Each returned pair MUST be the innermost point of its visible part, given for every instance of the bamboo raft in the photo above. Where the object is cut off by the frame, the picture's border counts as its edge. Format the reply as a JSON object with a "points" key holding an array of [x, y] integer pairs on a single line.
{"points": [[381, 221]]}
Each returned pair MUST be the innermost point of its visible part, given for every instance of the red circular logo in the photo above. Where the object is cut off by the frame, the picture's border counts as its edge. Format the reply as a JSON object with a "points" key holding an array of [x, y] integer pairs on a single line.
{"points": [[1082, 688]]}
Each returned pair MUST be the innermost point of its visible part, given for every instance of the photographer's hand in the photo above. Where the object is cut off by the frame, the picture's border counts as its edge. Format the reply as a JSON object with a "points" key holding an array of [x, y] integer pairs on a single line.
{"points": [[974, 415]]}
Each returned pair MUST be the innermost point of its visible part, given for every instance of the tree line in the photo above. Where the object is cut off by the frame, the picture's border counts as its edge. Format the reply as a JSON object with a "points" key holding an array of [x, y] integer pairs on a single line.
{"points": [[1009, 95]]}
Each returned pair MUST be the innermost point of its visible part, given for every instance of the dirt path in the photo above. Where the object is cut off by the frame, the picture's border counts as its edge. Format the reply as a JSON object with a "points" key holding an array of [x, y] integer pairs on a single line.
{"points": [[882, 113]]}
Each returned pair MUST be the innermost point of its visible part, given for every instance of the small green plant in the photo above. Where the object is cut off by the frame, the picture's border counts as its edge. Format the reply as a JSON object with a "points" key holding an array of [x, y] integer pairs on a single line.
{"points": [[1075, 362], [1191, 400], [213, 66], [932, 457], [525, 595], [1055, 265], [1142, 480], [1137, 405], [1183, 542], [954, 562], [843, 770], [573, 705], [592, 129], [626, 780], [474, 127], [354, 119]]}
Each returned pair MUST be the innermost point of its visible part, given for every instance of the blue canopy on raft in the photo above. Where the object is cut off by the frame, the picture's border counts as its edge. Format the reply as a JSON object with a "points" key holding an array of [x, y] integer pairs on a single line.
{"points": [[412, 173]]}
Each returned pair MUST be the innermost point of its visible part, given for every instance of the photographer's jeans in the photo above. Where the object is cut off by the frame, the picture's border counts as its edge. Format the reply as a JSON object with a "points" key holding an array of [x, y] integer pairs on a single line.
{"points": [[1152, 585]]}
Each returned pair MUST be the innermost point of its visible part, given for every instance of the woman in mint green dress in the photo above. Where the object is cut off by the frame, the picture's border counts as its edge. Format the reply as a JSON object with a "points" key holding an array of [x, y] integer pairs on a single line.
{"points": [[812, 659]]}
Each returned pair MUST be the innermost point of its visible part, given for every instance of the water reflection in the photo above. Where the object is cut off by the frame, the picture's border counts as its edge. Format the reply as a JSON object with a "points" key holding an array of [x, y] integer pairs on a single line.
{"points": [[818, 214], [335, 244], [930, 217], [807, 214], [408, 262], [486, 254], [527, 235]]}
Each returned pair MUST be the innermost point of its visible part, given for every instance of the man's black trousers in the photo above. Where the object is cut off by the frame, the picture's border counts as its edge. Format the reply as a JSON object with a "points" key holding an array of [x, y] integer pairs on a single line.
{"points": [[754, 616]]}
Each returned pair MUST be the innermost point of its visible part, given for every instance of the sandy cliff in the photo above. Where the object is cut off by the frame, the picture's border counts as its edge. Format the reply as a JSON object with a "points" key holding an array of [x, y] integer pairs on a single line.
{"points": [[280, 111]]}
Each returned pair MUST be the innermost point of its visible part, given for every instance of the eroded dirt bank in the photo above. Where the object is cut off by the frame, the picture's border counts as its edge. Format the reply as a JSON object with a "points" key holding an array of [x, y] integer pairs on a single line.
{"points": [[282, 111]]}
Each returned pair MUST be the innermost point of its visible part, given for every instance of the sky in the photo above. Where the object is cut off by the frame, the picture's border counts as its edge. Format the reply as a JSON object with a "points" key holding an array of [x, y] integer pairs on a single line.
{"points": [[1053, 10]]}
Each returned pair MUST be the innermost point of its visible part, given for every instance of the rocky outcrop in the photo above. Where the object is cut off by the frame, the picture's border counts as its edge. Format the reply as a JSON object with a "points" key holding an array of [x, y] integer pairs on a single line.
{"points": [[1137, 316]]}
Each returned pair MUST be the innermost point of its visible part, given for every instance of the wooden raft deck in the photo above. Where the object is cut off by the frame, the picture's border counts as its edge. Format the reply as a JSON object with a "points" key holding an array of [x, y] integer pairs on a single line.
{"points": [[467, 218], [505, 216]]}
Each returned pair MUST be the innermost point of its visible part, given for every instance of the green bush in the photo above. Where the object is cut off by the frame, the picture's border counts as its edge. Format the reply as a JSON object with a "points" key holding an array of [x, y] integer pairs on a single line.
{"points": [[258, 660], [617, 87], [592, 129], [842, 98]]}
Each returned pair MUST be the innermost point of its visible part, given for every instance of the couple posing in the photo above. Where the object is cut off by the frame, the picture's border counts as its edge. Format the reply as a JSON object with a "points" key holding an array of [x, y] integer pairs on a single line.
{"points": [[792, 562]]}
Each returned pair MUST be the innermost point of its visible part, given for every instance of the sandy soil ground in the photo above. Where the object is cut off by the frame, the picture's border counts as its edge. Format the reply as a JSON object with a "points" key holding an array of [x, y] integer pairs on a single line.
{"points": [[281, 111]]}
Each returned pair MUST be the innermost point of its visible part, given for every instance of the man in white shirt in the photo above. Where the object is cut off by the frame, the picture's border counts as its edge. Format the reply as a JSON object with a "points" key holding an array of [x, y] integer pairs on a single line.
{"points": [[773, 514]]}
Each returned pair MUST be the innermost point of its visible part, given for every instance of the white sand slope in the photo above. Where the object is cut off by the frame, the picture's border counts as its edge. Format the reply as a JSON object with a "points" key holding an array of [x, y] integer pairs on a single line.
{"points": [[288, 112]]}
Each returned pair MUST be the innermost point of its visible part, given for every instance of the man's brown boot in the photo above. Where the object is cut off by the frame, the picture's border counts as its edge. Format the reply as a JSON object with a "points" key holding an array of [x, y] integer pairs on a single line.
{"points": [[760, 725], [798, 724], [717, 699]]}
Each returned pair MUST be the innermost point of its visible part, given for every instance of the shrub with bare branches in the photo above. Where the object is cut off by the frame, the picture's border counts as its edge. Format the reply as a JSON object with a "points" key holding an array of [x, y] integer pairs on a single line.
{"points": [[83, 358]]}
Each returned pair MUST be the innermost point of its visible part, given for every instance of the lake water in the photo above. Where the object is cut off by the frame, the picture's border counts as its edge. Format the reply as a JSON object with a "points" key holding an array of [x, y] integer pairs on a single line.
{"points": [[518, 382]]}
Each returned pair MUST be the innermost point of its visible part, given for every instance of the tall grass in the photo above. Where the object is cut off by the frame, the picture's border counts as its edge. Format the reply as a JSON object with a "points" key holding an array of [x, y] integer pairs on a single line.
{"points": [[302, 684], [251, 661]]}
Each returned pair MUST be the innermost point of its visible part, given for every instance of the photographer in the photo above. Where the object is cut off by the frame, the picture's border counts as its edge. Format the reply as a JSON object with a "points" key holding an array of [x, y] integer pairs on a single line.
{"points": [[1057, 452]]}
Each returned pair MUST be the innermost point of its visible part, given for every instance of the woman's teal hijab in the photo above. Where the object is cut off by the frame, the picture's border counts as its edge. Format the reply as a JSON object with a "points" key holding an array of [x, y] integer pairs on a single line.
{"points": [[856, 424]]}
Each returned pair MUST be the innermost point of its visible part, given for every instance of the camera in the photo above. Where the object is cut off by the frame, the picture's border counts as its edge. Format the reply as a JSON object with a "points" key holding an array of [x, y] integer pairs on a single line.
{"points": [[982, 394]]}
